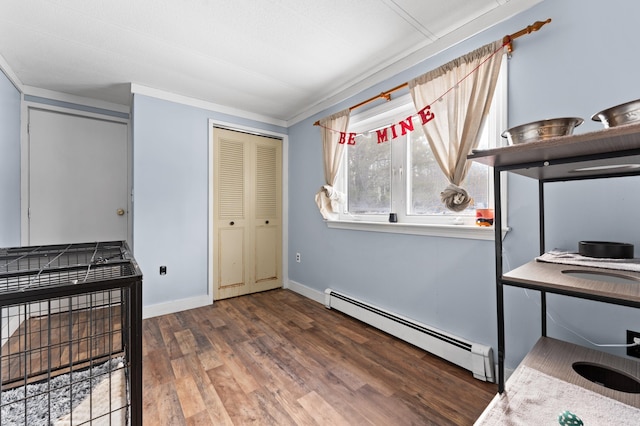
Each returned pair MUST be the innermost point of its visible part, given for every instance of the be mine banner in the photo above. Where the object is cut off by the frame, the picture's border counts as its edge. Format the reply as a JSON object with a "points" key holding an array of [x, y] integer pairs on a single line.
{"points": [[399, 129]]}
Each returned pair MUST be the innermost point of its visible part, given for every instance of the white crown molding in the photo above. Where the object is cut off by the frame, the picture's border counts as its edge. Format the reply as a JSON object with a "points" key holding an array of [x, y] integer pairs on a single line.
{"points": [[395, 66], [13, 78], [65, 97], [198, 103]]}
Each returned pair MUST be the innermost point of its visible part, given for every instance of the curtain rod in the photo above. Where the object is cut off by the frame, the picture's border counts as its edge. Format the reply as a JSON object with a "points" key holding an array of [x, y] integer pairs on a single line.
{"points": [[507, 40]]}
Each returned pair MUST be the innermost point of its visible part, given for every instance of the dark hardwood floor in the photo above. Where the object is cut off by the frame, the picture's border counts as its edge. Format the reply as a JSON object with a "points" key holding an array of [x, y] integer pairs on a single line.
{"points": [[45, 346], [278, 358]]}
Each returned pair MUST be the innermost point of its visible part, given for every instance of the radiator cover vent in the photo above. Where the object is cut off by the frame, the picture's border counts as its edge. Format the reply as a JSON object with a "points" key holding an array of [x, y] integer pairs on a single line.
{"points": [[474, 357]]}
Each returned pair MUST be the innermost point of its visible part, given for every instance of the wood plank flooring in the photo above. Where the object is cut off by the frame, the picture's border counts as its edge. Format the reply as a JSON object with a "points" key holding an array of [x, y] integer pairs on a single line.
{"points": [[278, 358], [44, 346]]}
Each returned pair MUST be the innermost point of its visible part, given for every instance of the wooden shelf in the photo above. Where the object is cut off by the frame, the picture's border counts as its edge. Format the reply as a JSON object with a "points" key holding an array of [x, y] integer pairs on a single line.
{"points": [[613, 152], [556, 358], [549, 277], [558, 158]]}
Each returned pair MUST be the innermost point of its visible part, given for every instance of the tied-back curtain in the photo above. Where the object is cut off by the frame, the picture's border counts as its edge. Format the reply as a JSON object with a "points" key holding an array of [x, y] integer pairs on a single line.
{"points": [[459, 94], [328, 199]]}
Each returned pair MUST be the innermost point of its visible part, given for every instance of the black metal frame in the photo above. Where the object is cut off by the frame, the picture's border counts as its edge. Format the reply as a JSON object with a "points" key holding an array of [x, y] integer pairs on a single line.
{"points": [[501, 281], [17, 268]]}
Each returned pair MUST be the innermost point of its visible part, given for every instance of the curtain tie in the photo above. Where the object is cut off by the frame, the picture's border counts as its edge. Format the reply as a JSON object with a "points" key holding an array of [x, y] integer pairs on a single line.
{"points": [[329, 200], [455, 198]]}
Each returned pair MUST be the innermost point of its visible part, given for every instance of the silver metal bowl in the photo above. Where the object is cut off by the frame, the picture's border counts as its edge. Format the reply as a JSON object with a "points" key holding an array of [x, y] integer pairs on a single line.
{"points": [[542, 130], [626, 113]]}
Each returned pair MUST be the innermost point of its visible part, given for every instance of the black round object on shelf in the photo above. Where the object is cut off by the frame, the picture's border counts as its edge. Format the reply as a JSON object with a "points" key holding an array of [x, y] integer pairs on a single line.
{"points": [[605, 249]]}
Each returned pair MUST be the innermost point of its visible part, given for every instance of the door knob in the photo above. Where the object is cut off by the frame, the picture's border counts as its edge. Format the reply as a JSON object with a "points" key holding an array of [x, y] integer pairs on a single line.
{"points": [[120, 212]]}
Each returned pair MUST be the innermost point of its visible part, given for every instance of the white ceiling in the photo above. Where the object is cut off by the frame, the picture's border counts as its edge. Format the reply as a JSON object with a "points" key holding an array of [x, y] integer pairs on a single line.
{"points": [[282, 59]]}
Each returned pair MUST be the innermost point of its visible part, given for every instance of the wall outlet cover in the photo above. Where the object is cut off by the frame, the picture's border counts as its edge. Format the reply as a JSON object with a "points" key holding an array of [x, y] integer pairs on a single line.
{"points": [[633, 351]]}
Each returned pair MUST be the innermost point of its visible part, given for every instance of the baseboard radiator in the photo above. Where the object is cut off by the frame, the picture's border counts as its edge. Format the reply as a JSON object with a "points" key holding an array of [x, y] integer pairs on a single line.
{"points": [[474, 357]]}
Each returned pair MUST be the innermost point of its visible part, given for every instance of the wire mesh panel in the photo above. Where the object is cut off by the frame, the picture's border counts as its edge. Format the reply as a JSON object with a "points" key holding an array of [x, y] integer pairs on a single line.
{"points": [[71, 339], [48, 266]]}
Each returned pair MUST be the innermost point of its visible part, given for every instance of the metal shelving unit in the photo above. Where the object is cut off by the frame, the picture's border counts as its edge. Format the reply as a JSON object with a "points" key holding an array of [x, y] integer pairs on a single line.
{"points": [[607, 153]]}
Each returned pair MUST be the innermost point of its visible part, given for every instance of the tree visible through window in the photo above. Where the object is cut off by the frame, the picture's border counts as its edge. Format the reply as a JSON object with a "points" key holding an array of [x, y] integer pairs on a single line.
{"points": [[402, 175], [426, 180], [369, 182]]}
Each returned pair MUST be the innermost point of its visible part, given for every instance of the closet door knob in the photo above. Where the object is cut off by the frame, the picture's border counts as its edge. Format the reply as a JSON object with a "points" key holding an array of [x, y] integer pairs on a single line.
{"points": [[231, 223], [266, 222]]}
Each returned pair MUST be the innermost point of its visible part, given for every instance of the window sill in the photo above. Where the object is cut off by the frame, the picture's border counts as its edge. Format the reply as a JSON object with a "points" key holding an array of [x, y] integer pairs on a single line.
{"points": [[471, 232]]}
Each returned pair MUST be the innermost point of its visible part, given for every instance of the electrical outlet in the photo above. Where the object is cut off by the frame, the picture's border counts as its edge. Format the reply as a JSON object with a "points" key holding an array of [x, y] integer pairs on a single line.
{"points": [[633, 351], [298, 257], [163, 270]]}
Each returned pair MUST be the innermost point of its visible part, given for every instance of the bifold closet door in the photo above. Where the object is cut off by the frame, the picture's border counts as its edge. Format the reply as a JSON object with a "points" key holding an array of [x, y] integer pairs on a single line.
{"points": [[248, 213]]}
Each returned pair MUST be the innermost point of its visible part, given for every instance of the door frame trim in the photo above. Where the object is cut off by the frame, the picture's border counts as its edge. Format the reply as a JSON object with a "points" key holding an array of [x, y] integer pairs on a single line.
{"points": [[25, 170], [285, 194]]}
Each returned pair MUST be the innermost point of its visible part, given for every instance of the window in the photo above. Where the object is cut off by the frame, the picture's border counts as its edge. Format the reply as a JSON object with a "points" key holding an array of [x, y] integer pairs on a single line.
{"points": [[402, 176]]}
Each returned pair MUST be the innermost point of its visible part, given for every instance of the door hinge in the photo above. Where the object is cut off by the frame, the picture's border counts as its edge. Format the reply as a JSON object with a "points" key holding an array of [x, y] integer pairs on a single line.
{"points": [[29, 213]]}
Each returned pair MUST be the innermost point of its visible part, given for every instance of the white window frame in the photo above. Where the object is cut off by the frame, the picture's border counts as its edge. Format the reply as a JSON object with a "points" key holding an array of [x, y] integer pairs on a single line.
{"points": [[456, 226]]}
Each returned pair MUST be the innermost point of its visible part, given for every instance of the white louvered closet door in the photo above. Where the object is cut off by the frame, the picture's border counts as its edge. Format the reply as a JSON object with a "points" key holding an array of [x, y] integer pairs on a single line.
{"points": [[248, 214]]}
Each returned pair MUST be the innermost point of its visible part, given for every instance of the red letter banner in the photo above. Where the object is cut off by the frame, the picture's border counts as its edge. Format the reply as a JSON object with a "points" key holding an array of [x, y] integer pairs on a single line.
{"points": [[426, 115], [382, 135]]}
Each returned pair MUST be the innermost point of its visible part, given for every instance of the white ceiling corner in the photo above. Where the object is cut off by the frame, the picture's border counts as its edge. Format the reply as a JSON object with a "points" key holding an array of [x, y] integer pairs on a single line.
{"points": [[278, 59]]}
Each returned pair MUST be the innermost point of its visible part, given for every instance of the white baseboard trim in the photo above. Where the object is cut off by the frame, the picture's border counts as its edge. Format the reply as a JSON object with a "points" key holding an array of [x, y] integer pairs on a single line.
{"points": [[305, 291], [199, 301], [174, 306]]}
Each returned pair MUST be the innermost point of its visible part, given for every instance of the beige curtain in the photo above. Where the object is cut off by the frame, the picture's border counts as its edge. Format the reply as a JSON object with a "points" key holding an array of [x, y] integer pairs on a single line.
{"points": [[328, 199], [459, 94]]}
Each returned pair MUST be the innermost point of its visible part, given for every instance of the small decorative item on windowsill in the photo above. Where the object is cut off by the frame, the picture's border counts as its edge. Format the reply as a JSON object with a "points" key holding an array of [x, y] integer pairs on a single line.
{"points": [[393, 217], [484, 217]]}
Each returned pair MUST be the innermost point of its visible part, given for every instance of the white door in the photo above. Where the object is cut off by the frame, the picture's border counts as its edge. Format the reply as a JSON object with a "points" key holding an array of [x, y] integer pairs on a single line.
{"points": [[77, 179], [248, 214]]}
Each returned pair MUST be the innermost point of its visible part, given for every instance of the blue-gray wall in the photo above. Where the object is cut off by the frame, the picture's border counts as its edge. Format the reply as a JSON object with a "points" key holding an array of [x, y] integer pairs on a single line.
{"points": [[170, 203], [9, 163], [580, 63]]}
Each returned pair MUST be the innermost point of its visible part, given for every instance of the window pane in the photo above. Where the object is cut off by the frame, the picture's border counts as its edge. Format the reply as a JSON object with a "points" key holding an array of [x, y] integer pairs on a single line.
{"points": [[426, 180], [477, 181], [477, 185], [369, 174]]}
